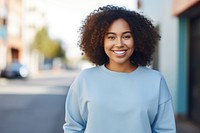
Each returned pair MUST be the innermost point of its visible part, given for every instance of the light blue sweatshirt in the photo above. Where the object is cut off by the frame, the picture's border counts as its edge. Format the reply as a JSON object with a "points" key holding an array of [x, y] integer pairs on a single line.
{"points": [[104, 101]]}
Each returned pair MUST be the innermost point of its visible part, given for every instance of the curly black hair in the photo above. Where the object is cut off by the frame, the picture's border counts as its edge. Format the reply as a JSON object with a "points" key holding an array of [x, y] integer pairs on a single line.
{"points": [[96, 24]]}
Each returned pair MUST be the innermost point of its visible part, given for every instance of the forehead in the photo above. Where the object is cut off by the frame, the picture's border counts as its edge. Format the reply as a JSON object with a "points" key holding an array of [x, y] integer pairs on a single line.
{"points": [[119, 25]]}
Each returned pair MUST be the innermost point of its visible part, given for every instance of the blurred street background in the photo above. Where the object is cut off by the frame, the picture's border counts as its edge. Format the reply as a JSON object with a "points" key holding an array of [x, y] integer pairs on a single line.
{"points": [[35, 105], [39, 58]]}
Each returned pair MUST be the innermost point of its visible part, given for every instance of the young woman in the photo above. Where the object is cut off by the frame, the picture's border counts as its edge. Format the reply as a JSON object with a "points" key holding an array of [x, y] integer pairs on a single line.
{"points": [[120, 94]]}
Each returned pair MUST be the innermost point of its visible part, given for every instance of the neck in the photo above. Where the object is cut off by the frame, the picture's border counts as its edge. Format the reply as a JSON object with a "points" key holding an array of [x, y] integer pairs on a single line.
{"points": [[121, 68]]}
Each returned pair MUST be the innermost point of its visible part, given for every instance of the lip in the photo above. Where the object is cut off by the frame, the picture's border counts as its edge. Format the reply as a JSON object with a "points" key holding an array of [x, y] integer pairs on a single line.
{"points": [[119, 52]]}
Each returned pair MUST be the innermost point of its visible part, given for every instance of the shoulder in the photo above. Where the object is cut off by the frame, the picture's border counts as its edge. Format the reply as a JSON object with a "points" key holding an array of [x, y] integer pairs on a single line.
{"points": [[152, 76], [164, 93], [85, 77], [149, 72]]}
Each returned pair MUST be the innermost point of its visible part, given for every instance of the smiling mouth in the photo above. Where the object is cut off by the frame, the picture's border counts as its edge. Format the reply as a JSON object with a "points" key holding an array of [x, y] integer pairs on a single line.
{"points": [[119, 52]]}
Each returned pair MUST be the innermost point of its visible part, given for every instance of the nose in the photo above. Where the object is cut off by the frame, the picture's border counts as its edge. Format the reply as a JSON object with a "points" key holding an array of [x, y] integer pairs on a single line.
{"points": [[119, 42]]}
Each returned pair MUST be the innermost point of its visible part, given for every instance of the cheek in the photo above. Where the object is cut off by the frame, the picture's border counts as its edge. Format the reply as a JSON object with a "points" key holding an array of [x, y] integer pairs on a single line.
{"points": [[107, 45], [106, 49], [131, 45]]}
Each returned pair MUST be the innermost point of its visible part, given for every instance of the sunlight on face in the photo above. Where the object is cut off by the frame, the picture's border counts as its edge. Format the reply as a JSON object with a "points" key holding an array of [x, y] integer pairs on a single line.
{"points": [[118, 43]]}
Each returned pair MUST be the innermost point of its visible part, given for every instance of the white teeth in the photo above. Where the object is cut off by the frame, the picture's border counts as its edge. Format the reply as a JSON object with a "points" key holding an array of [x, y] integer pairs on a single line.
{"points": [[119, 52]]}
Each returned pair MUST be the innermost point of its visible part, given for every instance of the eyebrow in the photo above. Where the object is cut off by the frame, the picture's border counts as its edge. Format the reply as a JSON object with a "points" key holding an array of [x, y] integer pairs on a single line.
{"points": [[115, 33]]}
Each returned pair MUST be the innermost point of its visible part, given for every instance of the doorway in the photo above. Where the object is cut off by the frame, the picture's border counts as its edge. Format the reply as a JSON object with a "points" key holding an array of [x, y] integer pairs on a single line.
{"points": [[194, 70]]}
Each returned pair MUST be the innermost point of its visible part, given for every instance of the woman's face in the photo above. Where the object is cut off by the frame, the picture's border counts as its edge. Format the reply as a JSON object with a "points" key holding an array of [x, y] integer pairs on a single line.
{"points": [[119, 43]]}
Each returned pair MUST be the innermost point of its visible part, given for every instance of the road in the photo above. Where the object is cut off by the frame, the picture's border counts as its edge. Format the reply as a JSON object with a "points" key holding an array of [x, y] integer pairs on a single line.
{"points": [[35, 105]]}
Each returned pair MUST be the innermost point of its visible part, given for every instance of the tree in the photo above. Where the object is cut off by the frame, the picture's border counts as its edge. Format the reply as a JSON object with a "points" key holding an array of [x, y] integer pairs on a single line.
{"points": [[45, 45], [60, 52]]}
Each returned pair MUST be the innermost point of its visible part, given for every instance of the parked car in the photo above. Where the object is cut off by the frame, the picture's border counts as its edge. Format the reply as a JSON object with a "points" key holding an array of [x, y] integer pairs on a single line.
{"points": [[15, 70]]}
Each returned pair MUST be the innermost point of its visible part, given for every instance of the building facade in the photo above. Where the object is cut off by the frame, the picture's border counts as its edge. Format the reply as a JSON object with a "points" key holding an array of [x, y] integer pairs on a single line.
{"points": [[14, 31], [188, 13], [179, 51], [19, 22], [3, 32], [33, 19]]}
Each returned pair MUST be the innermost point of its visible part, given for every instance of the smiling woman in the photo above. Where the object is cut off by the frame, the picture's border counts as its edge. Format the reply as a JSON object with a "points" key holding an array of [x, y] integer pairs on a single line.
{"points": [[99, 23], [120, 94]]}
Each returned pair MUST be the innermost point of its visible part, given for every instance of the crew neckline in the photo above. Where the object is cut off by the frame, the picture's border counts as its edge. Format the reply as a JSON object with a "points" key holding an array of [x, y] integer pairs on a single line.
{"points": [[115, 73]]}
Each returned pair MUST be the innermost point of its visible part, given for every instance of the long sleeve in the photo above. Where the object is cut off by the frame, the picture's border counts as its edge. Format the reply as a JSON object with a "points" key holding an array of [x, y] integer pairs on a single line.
{"points": [[73, 120], [164, 121]]}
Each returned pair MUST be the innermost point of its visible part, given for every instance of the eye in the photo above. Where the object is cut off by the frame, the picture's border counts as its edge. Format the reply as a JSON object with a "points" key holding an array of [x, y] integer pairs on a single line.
{"points": [[111, 37], [126, 37]]}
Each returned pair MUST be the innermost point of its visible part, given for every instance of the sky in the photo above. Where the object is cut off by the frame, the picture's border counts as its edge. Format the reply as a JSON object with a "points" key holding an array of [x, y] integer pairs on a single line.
{"points": [[64, 18]]}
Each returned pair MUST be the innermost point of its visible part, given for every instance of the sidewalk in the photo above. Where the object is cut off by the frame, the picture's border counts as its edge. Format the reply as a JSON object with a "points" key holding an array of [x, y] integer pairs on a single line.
{"points": [[54, 73], [69, 75]]}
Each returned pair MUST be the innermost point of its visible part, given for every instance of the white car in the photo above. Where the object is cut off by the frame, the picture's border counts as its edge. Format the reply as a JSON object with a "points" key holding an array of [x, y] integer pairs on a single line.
{"points": [[15, 70]]}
